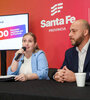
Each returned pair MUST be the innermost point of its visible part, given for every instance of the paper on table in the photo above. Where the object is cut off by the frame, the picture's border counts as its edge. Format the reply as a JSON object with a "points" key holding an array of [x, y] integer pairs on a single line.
{"points": [[7, 76]]}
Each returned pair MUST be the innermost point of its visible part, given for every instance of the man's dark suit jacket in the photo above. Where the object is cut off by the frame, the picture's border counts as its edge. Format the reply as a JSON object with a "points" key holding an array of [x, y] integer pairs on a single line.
{"points": [[71, 61]]}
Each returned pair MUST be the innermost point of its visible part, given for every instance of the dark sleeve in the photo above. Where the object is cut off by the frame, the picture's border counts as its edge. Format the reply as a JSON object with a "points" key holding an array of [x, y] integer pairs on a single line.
{"points": [[65, 63], [51, 72], [88, 76]]}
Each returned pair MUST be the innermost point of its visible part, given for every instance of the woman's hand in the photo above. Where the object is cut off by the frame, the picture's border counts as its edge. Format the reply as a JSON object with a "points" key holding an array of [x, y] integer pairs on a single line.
{"points": [[21, 77], [20, 51]]}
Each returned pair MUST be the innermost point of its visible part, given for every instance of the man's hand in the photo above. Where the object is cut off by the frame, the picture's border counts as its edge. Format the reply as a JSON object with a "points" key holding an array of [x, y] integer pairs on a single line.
{"points": [[69, 76], [59, 75], [64, 75]]}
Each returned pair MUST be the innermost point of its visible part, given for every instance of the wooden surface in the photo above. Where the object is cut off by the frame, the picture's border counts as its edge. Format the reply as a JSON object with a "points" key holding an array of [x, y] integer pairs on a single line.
{"points": [[9, 57], [0, 62]]}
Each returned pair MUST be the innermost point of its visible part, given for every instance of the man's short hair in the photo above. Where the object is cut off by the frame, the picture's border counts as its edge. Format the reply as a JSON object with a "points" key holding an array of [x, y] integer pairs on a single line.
{"points": [[87, 25]]}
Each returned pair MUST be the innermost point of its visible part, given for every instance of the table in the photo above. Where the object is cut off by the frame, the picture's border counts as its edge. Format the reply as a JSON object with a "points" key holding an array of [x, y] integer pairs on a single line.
{"points": [[43, 90]]}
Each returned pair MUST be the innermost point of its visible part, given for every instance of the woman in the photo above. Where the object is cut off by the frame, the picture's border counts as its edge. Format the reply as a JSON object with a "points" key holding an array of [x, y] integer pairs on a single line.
{"points": [[32, 64]]}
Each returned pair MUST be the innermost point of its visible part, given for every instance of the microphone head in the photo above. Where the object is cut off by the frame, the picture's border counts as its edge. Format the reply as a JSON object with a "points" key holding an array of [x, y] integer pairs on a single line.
{"points": [[24, 48]]}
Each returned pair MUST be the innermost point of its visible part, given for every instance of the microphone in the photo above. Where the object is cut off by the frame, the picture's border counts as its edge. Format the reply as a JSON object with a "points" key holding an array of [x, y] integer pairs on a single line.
{"points": [[18, 56]]}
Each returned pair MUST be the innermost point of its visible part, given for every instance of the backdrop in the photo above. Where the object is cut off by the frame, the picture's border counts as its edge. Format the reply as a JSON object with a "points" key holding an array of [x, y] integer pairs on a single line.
{"points": [[49, 20]]}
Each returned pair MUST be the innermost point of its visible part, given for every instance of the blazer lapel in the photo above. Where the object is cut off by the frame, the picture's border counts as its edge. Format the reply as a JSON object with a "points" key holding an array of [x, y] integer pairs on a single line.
{"points": [[87, 57], [75, 60]]}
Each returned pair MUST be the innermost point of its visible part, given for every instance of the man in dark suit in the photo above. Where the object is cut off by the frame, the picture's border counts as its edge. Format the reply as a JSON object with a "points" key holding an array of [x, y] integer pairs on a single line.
{"points": [[77, 58]]}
